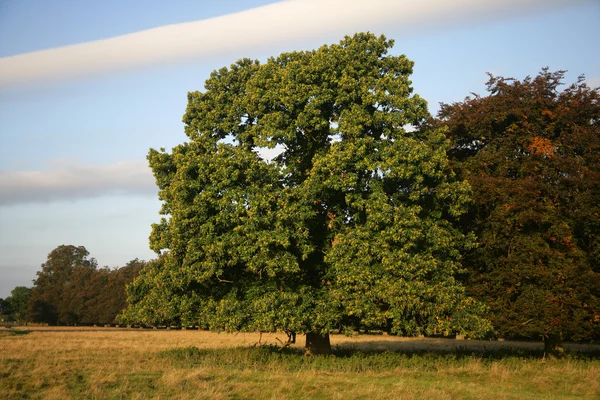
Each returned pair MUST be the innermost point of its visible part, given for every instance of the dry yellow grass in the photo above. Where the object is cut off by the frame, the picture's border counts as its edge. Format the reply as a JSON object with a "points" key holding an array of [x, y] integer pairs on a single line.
{"points": [[99, 363]]}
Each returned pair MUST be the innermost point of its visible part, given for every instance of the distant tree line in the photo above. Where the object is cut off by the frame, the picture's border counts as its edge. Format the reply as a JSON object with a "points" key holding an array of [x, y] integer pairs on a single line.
{"points": [[70, 289]]}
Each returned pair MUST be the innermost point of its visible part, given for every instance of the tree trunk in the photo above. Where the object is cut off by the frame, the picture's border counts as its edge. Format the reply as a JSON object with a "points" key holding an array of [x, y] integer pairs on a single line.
{"points": [[317, 343], [553, 346]]}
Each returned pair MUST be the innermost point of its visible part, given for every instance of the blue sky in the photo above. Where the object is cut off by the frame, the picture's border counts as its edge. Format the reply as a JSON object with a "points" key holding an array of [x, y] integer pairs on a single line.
{"points": [[73, 139]]}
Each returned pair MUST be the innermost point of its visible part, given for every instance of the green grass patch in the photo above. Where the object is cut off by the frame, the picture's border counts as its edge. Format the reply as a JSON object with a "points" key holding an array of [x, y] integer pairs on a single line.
{"points": [[77, 383], [13, 332], [349, 360], [19, 332]]}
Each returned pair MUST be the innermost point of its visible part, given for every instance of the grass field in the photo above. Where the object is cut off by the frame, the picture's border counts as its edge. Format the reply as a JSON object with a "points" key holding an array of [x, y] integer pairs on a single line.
{"points": [[112, 363]]}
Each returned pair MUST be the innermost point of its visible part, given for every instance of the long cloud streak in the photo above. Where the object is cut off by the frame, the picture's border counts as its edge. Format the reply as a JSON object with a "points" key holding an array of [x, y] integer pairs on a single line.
{"points": [[71, 181], [244, 33]]}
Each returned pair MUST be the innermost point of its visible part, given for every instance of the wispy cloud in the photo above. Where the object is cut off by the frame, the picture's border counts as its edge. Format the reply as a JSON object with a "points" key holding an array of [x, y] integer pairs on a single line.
{"points": [[244, 33], [68, 180]]}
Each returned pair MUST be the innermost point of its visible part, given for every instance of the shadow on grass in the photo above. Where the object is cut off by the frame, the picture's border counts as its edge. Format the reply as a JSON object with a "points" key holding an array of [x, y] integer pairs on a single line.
{"points": [[18, 332], [348, 359], [468, 349]]}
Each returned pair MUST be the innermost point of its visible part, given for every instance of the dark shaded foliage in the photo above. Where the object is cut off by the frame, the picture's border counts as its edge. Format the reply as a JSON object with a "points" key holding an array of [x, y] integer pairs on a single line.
{"points": [[531, 153], [5, 307], [14, 307], [71, 289], [47, 303]]}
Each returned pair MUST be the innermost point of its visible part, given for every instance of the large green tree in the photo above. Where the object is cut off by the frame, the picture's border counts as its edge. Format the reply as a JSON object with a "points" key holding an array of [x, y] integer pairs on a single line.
{"points": [[349, 227], [531, 152]]}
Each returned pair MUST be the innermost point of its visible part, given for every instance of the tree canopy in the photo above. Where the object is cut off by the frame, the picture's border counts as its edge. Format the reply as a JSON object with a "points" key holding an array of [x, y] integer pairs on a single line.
{"points": [[531, 153], [55, 276], [16, 303], [14, 307], [349, 227], [71, 289]]}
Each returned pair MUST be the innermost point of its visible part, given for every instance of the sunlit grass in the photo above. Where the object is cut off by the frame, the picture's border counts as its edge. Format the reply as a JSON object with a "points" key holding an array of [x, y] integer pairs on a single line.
{"points": [[105, 363]]}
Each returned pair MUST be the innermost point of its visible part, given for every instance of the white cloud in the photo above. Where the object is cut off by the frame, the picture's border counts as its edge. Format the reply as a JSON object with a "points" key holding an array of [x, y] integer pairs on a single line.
{"points": [[244, 33], [67, 180]]}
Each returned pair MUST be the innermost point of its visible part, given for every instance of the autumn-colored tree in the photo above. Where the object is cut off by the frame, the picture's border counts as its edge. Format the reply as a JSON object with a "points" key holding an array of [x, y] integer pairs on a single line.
{"points": [[112, 298], [348, 228], [531, 152], [78, 300], [71, 289], [64, 268]]}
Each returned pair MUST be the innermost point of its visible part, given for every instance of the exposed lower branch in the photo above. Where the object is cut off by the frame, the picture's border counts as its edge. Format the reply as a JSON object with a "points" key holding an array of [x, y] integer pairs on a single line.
{"points": [[223, 280]]}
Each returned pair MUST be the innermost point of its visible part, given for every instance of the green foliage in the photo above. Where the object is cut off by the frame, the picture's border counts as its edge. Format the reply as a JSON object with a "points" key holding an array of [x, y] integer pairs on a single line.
{"points": [[5, 308], [349, 227], [531, 153], [15, 305]]}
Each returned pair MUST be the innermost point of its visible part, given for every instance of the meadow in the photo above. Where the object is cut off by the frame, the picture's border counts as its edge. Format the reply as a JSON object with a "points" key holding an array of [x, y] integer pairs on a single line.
{"points": [[116, 363]]}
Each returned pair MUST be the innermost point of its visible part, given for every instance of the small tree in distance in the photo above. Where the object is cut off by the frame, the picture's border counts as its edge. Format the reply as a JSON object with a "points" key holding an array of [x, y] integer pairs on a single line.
{"points": [[18, 302], [350, 227], [5, 309]]}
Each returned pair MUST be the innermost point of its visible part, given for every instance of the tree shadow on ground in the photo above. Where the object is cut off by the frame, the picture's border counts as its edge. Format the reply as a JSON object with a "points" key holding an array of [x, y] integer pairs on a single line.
{"points": [[14, 332], [464, 348], [378, 356]]}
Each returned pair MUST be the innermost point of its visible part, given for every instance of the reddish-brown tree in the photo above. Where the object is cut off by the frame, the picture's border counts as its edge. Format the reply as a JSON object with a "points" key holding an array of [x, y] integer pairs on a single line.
{"points": [[71, 289], [531, 152]]}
